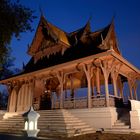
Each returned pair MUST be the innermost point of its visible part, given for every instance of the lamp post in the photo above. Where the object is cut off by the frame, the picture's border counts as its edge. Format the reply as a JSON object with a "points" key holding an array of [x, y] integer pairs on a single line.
{"points": [[31, 123]]}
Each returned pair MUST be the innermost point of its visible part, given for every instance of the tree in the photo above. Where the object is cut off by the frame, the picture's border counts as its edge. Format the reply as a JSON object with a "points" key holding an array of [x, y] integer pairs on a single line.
{"points": [[3, 99], [14, 19], [8, 68]]}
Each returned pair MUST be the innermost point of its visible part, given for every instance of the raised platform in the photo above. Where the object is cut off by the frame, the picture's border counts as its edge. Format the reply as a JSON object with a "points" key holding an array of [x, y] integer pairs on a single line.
{"points": [[73, 122]]}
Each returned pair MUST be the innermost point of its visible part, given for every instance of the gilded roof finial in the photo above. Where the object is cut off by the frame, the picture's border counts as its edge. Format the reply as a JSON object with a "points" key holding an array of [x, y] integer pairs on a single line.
{"points": [[113, 18], [41, 11]]}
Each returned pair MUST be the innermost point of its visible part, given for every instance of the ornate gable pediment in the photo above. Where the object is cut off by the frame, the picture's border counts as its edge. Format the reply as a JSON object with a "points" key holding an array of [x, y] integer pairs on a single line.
{"points": [[48, 40], [109, 41]]}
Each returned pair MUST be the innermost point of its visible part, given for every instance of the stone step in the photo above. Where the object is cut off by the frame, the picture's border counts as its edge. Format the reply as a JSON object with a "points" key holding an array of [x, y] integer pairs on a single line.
{"points": [[123, 122], [117, 131], [120, 127], [9, 121], [59, 120], [11, 126], [124, 119], [61, 124], [53, 112], [84, 127], [53, 135], [13, 119], [11, 130], [52, 123], [120, 123], [55, 128], [55, 115]]}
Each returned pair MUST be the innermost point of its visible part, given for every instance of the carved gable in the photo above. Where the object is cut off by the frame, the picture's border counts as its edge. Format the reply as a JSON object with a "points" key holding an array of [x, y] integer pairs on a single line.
{"points": [[48, 40]]}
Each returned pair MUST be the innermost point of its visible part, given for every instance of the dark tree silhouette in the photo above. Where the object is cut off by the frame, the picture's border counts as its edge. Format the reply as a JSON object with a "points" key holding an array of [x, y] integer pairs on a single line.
{"points": [[15, 18], [8, 68], [3, 100]]}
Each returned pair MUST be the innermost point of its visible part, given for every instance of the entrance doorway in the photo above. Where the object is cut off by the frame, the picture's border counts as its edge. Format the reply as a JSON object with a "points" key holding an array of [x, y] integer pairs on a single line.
{"points": [[46, 103]]}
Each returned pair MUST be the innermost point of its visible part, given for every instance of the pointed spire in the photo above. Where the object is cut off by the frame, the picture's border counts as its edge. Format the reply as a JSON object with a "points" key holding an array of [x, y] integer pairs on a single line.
{"points": [[113, 20], [41, 11], [87, 26]]}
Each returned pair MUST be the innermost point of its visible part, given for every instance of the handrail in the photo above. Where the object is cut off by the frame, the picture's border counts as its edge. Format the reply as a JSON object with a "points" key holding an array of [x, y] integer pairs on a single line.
{"points": [[96, 101]]}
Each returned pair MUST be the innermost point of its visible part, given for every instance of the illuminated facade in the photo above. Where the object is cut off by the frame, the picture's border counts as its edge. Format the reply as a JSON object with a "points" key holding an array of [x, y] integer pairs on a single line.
{"points": [[82, 71], [62, 63]]}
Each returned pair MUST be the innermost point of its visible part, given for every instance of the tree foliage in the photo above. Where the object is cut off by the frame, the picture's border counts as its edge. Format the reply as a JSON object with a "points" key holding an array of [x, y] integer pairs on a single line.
{"points": [[14, 19], [8, 68], [3, 99]]}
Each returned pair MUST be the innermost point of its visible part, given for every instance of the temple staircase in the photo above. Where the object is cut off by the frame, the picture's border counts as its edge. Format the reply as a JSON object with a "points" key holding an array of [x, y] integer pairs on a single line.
{"points": [[52, 124], [12, 125], [122, 125], [61, 123]]}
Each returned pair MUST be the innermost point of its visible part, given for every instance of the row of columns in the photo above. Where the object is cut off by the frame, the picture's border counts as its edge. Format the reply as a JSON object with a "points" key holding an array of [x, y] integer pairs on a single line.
{"points": [[107, 70], [21, 97], [132, 88], [89, 71]]}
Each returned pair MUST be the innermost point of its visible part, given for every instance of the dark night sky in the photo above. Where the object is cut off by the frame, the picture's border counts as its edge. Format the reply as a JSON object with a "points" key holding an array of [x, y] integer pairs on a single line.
{"points": [[70, 15]]}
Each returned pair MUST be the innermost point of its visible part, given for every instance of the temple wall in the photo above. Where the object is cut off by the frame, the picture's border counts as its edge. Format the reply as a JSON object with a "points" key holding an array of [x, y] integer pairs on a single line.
{"points": [[97, 117], [135, 115], [24, 98], [12, 105]]}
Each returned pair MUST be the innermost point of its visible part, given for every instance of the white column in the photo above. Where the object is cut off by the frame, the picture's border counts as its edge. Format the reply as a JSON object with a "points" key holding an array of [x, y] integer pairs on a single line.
{"points": [[17, 92], [135, 91], [98, 80], [106, 71], [120, 86], [130, 88], [9, 88], [26, 103], [71, 86], [61, 78], [11, 101], [52, 99], [32, 91], [121, 89], [106, 90], [92, 83], [19, 99], [22, 96], [89, 73], [114, 76], [29, 95]]}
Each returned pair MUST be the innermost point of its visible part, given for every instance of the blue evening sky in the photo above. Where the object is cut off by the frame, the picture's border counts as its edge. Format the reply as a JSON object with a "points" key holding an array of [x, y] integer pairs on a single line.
{"points": [[70, 15]]}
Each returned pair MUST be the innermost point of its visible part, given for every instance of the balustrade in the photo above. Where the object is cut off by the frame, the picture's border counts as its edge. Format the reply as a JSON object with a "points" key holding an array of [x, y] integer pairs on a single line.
{"points": [[96, 101]]}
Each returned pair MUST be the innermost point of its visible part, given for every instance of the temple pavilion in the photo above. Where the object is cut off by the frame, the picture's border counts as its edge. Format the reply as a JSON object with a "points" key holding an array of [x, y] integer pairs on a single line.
{"points": [[81, 70]]}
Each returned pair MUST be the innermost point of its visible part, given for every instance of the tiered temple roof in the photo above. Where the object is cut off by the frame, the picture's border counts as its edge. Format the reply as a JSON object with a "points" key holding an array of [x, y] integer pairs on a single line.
{"points": [[52, 46]]}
